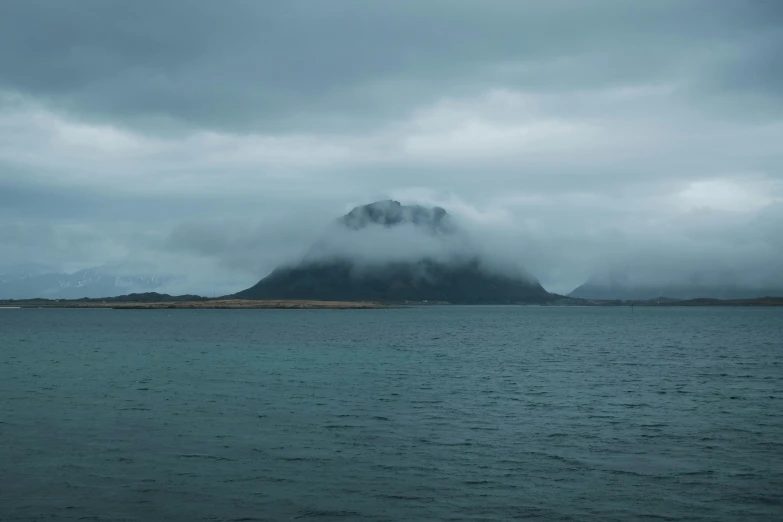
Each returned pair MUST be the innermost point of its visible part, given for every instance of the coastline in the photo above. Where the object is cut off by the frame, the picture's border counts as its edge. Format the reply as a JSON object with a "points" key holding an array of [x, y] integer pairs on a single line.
{"points": [[171, 302], [228, 304]]}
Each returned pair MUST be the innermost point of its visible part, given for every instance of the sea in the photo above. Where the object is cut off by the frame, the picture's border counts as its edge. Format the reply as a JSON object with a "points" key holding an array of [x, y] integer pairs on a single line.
{"points": [[422, 413]]}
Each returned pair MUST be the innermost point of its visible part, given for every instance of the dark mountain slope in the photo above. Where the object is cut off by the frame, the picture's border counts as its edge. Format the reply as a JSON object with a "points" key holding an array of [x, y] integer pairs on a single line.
{"points": [[424, 280], [328, 274]]}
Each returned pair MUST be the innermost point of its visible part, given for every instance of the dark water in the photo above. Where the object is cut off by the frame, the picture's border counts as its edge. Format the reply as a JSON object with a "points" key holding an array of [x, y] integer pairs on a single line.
{"points": [[442, 413]]}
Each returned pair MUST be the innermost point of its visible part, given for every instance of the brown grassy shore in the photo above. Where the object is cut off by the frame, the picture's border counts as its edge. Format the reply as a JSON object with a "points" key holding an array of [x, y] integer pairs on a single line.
{"points": [[206, 304]]}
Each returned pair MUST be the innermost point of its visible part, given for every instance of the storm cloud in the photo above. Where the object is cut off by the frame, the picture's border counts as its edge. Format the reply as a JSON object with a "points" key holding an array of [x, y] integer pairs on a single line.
{"points": [[215, 140]]}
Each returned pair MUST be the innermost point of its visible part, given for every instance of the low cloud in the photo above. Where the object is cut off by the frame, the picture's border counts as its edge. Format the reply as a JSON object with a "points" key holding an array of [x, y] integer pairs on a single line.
{"points": [[218, 145]]}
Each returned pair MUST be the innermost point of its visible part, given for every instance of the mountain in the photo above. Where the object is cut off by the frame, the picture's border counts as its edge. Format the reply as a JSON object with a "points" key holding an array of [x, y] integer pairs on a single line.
{"points": [[423, 280], [389, 252], [90, 283], [625, 290]]}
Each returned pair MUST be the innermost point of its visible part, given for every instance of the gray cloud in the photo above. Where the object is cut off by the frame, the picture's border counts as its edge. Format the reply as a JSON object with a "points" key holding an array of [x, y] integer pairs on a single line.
{"points": [[221, 138], [248, 65]]}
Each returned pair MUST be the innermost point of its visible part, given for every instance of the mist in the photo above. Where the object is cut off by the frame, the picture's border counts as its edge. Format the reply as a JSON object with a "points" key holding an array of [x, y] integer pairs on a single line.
{"points": [[651, 152]]}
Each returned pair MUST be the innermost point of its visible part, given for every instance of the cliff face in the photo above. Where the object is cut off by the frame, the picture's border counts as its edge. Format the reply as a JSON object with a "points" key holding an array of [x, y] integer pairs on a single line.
{"points": [[436, 262]]}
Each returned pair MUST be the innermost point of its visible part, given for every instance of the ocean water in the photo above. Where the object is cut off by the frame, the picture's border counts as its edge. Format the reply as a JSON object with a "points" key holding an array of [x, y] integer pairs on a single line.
{"points": [[434, 413]]}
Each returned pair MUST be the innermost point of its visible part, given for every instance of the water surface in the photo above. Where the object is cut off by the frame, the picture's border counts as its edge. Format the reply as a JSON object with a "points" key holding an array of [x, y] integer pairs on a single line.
{"points": [[439, 413]]}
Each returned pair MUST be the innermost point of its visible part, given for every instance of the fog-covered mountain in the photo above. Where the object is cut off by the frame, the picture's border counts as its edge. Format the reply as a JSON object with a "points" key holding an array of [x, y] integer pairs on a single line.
{"points": [[92, 283], [627, 288], [386, 251]]}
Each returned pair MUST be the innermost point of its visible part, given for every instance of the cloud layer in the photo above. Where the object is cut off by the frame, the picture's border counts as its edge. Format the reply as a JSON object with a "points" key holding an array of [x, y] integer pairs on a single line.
{"points": [[219, 139]]}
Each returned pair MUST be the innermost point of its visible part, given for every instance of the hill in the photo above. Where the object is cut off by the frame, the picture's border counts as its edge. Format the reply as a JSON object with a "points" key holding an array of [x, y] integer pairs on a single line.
{"points": [[388, 252]]}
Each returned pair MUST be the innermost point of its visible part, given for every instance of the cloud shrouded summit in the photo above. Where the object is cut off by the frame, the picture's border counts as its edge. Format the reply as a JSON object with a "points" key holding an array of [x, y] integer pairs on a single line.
{"points": [[390, 213], [218, 140], [385, 251], [387, 231]]}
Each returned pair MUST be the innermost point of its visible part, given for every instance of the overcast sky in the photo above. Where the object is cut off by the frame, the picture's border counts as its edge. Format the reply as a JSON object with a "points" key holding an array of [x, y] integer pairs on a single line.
{"points": [[216, 139]]}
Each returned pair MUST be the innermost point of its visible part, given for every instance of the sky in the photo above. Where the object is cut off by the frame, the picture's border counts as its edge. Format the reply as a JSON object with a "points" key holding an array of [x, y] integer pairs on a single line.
{"points": [[216, 140]]}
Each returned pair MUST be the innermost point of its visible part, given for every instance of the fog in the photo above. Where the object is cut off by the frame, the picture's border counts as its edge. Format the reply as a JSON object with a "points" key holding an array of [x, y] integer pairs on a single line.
{"points": [[631, 140]]}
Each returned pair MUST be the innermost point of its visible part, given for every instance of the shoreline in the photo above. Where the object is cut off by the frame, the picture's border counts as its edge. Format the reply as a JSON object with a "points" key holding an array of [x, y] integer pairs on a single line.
{"points": [[311, 304], [232, 304]]}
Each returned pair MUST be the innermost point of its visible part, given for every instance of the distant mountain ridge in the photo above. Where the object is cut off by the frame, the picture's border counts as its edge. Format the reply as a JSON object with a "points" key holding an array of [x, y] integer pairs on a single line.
{"points": [[463, 277], [613, 290], [146, 297], [89, 283]]}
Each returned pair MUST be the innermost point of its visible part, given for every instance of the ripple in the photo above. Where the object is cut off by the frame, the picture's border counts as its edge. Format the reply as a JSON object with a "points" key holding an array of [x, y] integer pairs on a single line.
{"points": [[323, 513], [479, 421], [203, 456]]}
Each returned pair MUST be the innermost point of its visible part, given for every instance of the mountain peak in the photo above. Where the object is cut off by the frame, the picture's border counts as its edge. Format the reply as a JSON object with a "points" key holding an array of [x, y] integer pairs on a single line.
{"points": [[389, 213]]}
